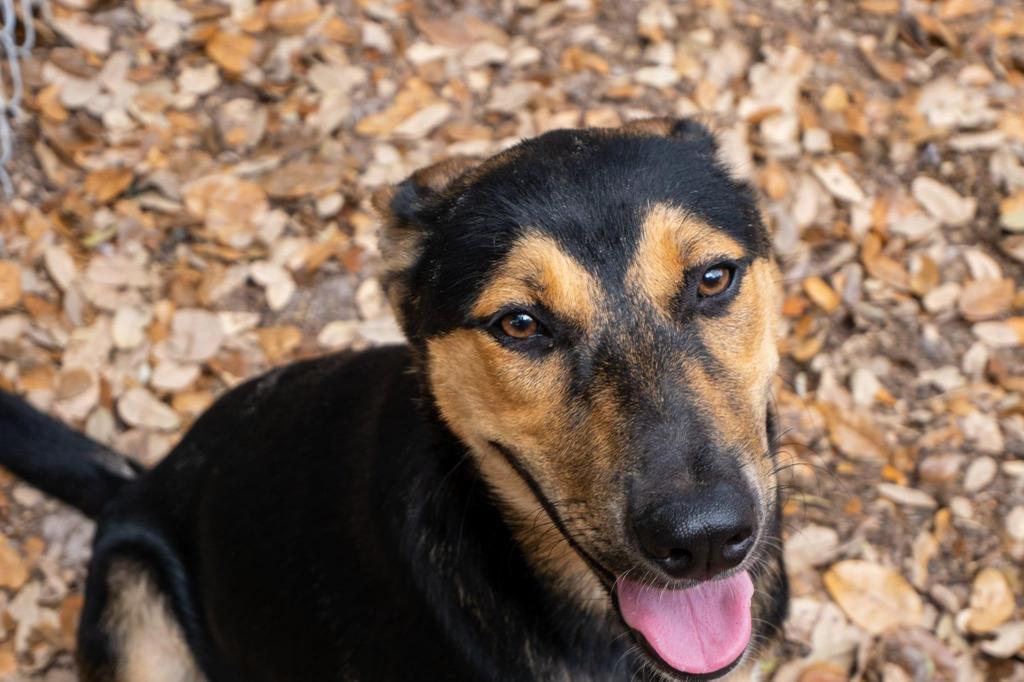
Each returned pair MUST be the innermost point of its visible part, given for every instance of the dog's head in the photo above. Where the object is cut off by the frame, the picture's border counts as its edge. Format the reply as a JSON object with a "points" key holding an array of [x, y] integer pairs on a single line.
{"points": [[594, 313]]}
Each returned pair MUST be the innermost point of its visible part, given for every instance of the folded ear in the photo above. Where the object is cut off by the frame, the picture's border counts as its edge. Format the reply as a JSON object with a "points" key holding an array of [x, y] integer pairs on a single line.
{"points": [[414, 193], [688, 129], [402, 209], [701, 133]]}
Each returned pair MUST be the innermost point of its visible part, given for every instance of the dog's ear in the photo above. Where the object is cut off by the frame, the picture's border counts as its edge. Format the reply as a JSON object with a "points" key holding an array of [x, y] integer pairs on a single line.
{"points": [[700, 133], [403, 229], [688, 129], [406, 199]]}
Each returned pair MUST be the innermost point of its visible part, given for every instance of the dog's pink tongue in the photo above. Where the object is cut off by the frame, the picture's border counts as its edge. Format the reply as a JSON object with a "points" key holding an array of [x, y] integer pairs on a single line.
{"points": [[700, 630]]}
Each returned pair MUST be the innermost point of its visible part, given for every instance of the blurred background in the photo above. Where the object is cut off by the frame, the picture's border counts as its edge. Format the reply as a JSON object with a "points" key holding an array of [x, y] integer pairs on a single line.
{"points": [[189, 207]]}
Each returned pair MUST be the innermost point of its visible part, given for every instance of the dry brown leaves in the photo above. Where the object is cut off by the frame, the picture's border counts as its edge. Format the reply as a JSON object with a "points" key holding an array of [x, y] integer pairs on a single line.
{"points": [[193, 183]]}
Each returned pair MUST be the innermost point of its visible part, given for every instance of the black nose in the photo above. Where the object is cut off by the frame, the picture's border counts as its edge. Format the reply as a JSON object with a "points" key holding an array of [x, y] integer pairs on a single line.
{"points": [[698, 533]]}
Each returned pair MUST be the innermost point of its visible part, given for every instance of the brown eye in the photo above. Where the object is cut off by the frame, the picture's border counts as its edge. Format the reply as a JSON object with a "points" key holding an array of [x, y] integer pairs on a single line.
{"points": [[519, 325], [715, 280]]}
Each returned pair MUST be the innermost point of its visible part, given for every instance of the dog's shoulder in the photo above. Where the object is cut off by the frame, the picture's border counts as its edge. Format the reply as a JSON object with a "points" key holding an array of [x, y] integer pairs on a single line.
{"points": [[342, 381], [312, 420], [301, 462]]}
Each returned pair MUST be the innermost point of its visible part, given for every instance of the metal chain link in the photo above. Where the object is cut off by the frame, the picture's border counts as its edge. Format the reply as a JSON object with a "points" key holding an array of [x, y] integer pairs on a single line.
{"points": [[10, 75]]}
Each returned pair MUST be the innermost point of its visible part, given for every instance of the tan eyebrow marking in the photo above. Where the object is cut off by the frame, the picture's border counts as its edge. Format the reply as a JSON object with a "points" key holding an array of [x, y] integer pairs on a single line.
{"points": [[671, 242], [536, 269]]}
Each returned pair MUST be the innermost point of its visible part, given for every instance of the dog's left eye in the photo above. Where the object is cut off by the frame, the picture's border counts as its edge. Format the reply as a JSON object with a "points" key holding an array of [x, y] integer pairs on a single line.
{"points": [[715, 280], [519, 325]]}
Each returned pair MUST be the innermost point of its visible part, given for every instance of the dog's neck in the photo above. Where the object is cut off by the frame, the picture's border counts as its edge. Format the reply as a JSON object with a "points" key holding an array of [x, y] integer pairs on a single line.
{"points": [[540, 536]]}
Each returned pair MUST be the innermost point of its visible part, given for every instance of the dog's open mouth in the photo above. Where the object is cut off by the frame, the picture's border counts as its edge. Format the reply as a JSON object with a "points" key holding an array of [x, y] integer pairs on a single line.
{"points": [[701, 630]]}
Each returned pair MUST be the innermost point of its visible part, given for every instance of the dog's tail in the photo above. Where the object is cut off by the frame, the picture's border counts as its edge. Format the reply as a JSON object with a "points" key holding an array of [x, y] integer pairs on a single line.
{"points": [[58, 460]]}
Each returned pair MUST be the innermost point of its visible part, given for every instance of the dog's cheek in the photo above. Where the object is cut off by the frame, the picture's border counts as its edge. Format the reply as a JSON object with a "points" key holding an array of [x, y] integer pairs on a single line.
{"points": [[488, 393], [744, 343]]}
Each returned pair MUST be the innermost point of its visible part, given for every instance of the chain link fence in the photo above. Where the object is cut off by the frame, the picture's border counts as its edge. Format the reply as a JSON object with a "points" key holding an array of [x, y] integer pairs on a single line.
{"points": [[11, 86]]}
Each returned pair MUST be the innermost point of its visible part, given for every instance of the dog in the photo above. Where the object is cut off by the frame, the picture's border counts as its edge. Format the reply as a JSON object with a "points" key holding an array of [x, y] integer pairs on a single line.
{"points": [[568, 473]]}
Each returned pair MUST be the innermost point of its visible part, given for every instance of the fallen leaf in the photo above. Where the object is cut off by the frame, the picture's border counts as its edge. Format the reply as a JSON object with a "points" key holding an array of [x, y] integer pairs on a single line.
{"points": [[13, 572], [241, 123], [138, 407], [942, 201], [300, 179], [106, 185], [173, 377], [196, 335], [822, 294], [982, 265], [1011, 213], [60, 266], [823, 671], [292, 16], [230, 207], [910, 497], [980, 473], [987, 298], [88, 36], [73, 382], [201, 80], [232, 51], [276, 281], [874, 597], [10, 284], [128, 328], [992, 601], [414, 96], [1008, 641], [855, 435], [838, 181], [278, 342], [338, 334], [424, 121], [811, 546], [835, 99], [1007, 333], [513, 97]]}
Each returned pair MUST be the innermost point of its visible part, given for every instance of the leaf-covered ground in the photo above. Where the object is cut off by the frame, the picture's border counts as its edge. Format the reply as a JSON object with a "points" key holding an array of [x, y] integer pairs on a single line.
{"points": [[192, 185]]}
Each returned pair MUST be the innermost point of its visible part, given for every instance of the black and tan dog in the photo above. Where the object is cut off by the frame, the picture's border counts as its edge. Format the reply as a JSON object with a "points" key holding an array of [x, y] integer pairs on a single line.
{"points": [[567, 474]]}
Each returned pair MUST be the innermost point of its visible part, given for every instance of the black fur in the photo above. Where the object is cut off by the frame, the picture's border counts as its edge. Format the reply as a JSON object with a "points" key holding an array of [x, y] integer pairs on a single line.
{"points": [[321, 522]]}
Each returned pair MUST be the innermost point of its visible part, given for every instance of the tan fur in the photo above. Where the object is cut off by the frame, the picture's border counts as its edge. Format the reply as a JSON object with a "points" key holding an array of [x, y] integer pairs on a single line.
{"points": [[744, 341], [149, 642], [538, 270], [671, 242]]}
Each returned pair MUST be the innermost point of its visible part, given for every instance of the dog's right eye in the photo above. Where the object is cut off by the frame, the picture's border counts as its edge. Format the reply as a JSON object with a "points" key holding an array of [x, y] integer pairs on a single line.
{"points": [[519, 325], [521, 330], [715, 280]]}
